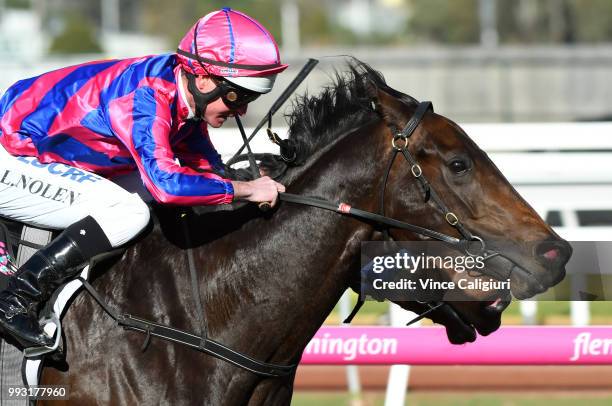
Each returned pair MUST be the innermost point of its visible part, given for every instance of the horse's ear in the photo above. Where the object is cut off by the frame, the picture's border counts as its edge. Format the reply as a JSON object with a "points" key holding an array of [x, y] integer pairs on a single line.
{"points": [[387, 106]]}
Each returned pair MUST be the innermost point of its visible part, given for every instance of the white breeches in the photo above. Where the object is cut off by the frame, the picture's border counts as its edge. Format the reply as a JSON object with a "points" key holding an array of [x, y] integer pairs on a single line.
{"points": [[57, 195]]}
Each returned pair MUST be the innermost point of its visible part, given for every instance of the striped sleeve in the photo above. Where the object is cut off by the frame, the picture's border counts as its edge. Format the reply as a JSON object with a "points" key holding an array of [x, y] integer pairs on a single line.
{"points": [[197, 151], [142, 120]]}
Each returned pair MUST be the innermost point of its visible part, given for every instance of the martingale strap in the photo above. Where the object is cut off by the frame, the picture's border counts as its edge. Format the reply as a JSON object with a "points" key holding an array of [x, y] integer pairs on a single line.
{"points": [[199, 342], [193, 341]]}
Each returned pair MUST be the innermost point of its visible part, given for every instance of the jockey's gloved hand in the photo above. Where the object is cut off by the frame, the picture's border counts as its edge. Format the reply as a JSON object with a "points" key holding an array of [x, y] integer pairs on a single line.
{"points": [[261, 190]]}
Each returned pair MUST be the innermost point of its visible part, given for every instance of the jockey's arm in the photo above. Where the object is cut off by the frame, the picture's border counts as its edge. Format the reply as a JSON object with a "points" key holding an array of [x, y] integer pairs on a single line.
{"points": [[143, 123], [196, 151], [260, 190], [146, 133]]}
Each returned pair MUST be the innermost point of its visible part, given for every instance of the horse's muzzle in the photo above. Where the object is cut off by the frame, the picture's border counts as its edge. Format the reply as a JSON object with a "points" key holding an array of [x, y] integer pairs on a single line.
{"points": [[545, 271], [553, 255]]}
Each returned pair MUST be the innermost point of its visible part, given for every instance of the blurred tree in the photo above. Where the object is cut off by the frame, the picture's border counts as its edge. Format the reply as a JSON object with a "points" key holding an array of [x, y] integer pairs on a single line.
{"points": [[173, 19], [593, 20], [18, 3], [315, 25], [77, 37], [444, 21], [513, 19], [562, 21], [536, 21], [439, 21]]}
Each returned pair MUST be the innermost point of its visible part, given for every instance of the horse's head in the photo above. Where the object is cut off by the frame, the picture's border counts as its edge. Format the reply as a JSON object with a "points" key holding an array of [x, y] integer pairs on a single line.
{"points": [[527, 251], [342, 142]]}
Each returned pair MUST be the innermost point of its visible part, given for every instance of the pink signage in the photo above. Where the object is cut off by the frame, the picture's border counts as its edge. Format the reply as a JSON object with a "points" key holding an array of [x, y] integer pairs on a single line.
{"points": [[429, 346]]}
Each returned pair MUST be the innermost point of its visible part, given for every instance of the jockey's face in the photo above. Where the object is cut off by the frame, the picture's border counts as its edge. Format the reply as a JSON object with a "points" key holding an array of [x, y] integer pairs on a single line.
{"points": [[216, 112]]}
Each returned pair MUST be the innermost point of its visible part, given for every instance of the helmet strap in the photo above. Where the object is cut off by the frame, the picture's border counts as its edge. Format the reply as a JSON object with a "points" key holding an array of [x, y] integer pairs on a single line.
{"points": [[201, 99]]}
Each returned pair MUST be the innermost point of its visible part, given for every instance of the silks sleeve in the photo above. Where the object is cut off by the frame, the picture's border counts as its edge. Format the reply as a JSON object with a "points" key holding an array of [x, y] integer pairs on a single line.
{"points": [[142, 120], [197, 151]]}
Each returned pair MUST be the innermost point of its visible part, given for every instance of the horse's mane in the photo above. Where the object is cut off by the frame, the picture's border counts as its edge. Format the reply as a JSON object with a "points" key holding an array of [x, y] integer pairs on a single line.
{"points": [[342, 106]]}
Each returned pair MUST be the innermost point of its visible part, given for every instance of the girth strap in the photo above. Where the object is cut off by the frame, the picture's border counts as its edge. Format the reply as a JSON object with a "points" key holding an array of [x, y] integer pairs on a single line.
{"points": [[195, 290]]}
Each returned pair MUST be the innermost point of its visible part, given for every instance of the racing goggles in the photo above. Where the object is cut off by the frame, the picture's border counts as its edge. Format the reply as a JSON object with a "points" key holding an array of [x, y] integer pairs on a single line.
{"points": [[234, 97]]}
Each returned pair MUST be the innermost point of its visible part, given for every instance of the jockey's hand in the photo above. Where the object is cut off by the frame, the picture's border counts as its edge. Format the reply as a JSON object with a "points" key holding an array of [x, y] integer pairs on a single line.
{"points": [[260, 190]]}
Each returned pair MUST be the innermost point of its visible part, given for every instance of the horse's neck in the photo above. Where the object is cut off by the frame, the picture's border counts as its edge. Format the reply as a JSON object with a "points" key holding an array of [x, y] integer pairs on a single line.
{"points": [[268, 286], [287, 273]]}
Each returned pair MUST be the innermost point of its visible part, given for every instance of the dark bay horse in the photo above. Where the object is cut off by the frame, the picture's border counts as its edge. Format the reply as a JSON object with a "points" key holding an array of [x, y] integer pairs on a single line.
{"points": [[269, 280]]}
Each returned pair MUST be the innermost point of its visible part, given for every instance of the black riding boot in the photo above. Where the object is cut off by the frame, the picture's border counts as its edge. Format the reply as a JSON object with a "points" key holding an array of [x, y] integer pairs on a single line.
{"points": [[44, 272]]}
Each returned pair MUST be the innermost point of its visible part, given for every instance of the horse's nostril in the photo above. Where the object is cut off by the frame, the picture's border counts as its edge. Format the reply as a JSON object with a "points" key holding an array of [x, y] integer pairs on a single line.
{"points": [[551, 254], [554, 251]]}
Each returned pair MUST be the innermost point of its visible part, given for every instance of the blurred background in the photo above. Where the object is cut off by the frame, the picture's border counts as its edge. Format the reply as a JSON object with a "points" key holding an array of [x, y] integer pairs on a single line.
{"points": [[511, 68], [477, 60]]}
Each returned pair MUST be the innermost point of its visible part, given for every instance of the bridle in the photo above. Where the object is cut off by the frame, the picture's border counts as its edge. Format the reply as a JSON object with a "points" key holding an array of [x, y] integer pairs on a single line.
{"points": [[399, 144]]}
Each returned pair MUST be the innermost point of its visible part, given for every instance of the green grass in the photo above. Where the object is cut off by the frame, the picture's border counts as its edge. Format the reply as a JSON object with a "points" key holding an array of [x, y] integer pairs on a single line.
{"points": [[460, 399], [335, 399]]}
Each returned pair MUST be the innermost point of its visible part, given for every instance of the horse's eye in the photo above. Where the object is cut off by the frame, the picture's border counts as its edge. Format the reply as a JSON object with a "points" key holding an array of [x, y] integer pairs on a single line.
{"points": [[458, 166]]}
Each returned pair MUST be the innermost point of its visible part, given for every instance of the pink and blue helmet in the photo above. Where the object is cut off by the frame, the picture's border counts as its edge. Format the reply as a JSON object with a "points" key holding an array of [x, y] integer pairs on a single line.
{"points": [[232, 45]]}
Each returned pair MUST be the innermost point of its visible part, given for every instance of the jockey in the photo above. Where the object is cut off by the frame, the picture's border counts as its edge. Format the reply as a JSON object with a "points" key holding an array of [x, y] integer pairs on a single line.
{"points": [[64, 133]]}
